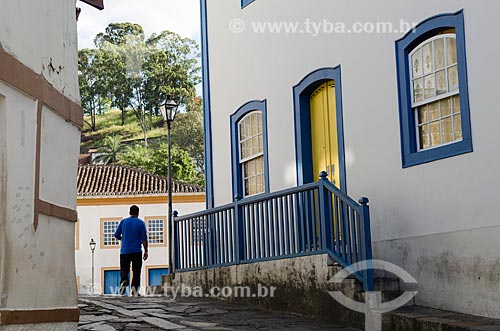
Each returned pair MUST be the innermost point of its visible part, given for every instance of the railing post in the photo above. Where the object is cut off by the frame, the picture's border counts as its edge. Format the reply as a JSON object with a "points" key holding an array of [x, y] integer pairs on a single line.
{"points": [[324, 206], [366, 244], [239, 244], [176, 254]]}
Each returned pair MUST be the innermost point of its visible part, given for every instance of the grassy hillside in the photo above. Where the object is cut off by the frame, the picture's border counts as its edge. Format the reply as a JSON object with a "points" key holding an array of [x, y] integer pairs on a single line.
{"points": [[110, 124]]}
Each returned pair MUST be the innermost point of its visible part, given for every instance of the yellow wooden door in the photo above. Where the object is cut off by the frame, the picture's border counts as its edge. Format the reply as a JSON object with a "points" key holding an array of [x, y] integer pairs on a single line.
{"points": [[325, 147]]}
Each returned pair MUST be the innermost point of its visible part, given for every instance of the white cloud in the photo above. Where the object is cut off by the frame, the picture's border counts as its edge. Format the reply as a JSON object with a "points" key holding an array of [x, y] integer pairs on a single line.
{"points": [[180, 16]]}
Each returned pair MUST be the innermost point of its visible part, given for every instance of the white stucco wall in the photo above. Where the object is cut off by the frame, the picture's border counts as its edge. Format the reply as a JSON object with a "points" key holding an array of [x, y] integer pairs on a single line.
{"points": [[89, 224], [37, 266], [450, 197], [42, 34]]}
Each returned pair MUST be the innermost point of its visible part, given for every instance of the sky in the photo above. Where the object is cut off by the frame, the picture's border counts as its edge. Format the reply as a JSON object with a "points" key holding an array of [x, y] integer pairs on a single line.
{"points": [[180, 16]]}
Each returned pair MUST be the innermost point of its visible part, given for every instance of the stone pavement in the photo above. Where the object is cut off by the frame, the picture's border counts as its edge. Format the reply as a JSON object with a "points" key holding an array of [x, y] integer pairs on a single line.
{"points": [[109, 313]]}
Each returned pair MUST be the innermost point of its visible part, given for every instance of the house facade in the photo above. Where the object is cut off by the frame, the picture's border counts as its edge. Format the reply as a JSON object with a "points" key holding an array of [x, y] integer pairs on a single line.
{"points": [[40, 122], [392, 99], [105, 193]]}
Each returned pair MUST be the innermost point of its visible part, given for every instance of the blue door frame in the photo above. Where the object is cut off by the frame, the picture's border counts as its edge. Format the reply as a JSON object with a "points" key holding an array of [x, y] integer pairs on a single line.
{"points": [[303, 141]]}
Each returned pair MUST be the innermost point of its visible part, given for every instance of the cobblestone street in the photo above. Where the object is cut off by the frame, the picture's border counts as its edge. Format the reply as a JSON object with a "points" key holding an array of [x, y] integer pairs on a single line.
{"points": [[160, 313]]}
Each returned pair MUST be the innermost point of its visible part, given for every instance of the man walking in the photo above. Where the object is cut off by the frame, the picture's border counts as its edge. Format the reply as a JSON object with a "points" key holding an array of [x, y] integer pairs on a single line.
{"points": [[132, 233]]}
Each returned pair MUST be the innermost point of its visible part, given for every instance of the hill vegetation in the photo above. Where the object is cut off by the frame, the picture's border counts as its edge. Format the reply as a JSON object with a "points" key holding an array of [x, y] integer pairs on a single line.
{"points": [[123, 82]]}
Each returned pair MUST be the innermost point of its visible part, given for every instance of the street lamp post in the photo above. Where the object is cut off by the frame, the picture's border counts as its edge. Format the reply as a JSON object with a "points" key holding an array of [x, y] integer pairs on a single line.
{"points": [[92, 245], [168, 111]]}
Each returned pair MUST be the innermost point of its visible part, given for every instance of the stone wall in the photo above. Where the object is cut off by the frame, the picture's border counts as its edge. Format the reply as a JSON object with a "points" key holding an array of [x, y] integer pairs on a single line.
{"points": [[301, 286]]}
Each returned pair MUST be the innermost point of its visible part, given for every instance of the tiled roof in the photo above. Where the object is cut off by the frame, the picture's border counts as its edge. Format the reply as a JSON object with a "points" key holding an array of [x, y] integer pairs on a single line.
{"points": [[117, 180]]}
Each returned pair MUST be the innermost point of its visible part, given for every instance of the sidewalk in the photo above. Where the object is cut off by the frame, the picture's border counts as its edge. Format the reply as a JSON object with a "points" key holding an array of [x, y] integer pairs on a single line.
{"points": [[107, 313]]}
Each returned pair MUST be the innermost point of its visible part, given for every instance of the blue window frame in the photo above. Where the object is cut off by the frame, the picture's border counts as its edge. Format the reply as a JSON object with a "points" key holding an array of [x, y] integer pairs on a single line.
{"points": [[245, 3], [435, 121], [155, 276], [250, 164]]}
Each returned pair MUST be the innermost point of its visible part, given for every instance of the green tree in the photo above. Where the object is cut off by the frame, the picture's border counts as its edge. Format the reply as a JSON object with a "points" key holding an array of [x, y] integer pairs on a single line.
{"points": [[142, 72], [137, 156], [117, 34], [171, 69], [183, 168], [110, 150], [93, 82], [155, 160], [187, 133]]}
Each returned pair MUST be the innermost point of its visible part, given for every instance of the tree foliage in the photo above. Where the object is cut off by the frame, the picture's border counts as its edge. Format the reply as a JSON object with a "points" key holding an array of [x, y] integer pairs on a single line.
{"points": [[187, 132], [110, 150], [135, 73], [156, 161]]}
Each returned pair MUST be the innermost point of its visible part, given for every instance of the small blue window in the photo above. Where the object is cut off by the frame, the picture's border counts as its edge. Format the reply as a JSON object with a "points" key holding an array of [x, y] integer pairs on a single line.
{"points": [[433, 92], [155, 276], [249, 149], [245, 3]]}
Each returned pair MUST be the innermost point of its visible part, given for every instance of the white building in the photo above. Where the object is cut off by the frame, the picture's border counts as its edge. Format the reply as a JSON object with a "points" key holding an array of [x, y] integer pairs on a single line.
{"points": [[40, 122], [105, 193], [293, 87]]}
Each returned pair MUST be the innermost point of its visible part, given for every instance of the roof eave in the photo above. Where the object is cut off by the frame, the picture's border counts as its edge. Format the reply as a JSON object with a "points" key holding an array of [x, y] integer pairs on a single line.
{"points": [[99, 4]]}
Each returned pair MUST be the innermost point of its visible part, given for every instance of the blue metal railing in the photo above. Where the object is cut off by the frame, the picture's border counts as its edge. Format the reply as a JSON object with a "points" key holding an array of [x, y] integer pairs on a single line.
{"points": [[315, 218]]}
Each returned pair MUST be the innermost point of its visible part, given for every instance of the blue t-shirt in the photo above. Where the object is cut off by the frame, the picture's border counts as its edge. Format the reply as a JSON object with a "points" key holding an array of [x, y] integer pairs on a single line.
{"points": [[133, 232]]}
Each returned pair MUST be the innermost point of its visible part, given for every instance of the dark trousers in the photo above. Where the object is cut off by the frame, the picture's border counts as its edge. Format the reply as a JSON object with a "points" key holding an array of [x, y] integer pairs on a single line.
{"points": [[125, 260]]}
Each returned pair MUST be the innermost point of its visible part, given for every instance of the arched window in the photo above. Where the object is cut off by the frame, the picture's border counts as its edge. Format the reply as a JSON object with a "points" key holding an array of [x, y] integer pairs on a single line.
{"points": [[251, 156], [433, 91], [249, 149], [436, 93]]}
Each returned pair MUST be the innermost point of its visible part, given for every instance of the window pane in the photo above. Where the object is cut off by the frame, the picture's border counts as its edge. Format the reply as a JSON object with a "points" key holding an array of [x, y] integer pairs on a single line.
{"points": [[242, 150], [242, 130], [435, 134], [441, 87], [255, 124], [447, 130], [456, 104], [260, 165], [424, 136], [255, 145], [109, 228], [453, 78], [445, 107], [451, 48], [429, 86], [155, 231], [416, 62], [260, 183], [439, 51], [252, 185], [245, 170], [457, 126], [434, 111], [418, 86], [247, 187], [428, 58], [251, 168], [423, 114]]}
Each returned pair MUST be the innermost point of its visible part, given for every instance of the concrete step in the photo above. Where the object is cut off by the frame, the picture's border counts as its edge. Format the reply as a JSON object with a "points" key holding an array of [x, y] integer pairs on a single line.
{"points": [[381, 283], [416, 318]]}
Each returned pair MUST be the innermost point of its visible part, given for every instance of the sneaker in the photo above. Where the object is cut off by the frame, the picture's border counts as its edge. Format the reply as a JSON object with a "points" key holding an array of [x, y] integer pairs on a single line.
{"points": [[123, 288]]}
